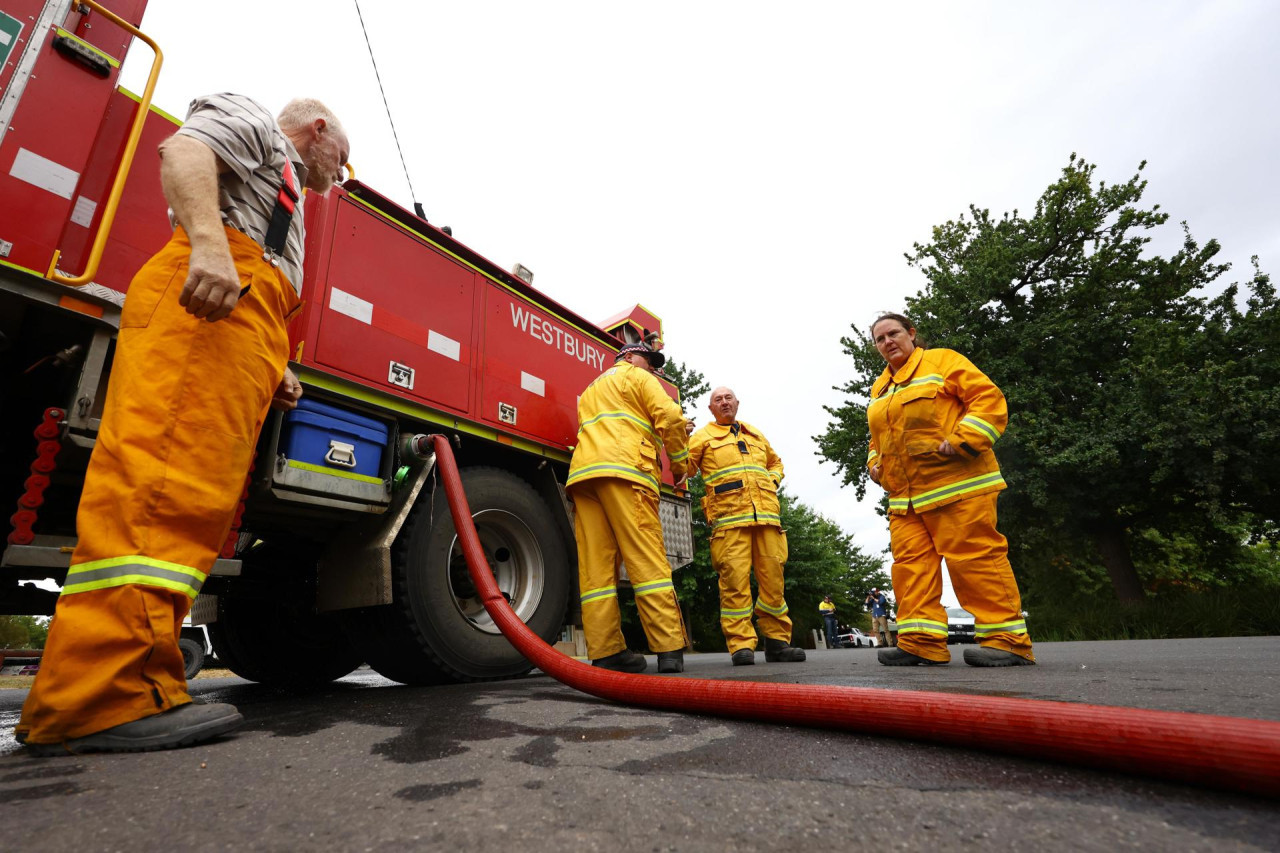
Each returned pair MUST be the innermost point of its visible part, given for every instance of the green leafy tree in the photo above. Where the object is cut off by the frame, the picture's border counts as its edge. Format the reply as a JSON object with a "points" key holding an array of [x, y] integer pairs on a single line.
{"points": [[1143, 417], [23, 632], [691, 383], [823, 560]]}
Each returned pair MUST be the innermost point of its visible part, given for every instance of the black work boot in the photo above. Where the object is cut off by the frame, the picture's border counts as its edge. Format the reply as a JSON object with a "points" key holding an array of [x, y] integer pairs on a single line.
{"points": [[183, 725], [781, 651], [995, 657], [671, 661], [897, 657], [624, 661], [744, 657]]}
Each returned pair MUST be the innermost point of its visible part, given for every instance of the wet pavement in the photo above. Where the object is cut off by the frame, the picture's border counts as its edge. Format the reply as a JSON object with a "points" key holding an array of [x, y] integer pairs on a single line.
{"points": [[530, 764]]}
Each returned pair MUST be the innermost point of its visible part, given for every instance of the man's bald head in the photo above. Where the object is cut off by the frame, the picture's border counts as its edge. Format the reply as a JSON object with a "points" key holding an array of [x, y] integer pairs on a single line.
{"points": [[724, 405]]}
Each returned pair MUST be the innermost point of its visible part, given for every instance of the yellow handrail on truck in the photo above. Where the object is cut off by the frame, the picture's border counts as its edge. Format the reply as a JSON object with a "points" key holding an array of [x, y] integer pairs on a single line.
{"points": [[126, 161]]}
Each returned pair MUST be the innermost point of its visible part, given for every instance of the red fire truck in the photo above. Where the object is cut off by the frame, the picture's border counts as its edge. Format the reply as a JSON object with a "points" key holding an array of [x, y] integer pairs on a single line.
{"points": [[344, 551]]}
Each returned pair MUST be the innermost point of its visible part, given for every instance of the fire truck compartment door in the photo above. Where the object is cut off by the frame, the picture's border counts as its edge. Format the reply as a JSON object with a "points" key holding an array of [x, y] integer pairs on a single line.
{"points": [[396, 312]]}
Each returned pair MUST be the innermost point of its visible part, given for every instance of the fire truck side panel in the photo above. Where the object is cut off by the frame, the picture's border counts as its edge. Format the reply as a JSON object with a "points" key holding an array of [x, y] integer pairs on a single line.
{"points": [[141, 224], [44, 153], [534, 367], [395, 313]]}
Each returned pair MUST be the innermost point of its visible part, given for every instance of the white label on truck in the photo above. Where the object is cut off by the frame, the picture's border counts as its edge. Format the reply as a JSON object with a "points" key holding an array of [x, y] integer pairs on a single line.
{"points": [[351, 305], [83, 212], [44, 173], [400, 374], [446, 346], [533, 384]]}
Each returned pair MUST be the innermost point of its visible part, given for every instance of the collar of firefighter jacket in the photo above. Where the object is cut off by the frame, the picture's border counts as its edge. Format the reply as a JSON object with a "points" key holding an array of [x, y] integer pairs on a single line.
{"points": [[719, 430], [902, 375]]}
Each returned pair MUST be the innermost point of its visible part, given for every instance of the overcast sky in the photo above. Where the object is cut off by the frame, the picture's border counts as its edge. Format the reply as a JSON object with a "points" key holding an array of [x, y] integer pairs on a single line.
{"points": [[751, 172]]}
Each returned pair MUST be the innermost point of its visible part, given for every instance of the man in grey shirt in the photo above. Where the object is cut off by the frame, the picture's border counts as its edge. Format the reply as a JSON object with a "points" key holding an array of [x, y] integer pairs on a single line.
{"points": [[201, 354]]}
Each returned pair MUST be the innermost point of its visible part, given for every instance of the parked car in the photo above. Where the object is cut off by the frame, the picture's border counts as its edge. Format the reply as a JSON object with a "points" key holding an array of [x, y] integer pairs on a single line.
{"points": [[960, 628], [854, 639], [195, 646]]}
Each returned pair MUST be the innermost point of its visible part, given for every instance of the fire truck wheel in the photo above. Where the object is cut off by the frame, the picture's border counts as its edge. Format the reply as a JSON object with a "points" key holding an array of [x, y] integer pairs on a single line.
{"points": [[276, 639], [192, 656], [437, 630]]}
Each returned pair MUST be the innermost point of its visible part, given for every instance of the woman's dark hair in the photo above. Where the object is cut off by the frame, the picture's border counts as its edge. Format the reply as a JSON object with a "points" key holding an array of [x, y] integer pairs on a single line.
{"points": [[898, 318]]}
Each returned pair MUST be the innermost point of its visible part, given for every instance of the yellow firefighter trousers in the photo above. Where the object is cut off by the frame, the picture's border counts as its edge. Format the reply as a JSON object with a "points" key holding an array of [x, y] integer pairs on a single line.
{"points": [[965, 535], [186, 401], [734, 550], [616, 519]]}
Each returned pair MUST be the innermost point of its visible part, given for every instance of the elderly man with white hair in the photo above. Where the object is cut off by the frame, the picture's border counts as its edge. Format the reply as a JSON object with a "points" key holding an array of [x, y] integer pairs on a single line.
{"points": [[742, 473], [202, 354]]}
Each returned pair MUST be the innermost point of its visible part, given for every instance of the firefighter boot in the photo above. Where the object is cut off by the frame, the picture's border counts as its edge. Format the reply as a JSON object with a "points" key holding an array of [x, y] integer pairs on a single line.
{"points": [[744, 657], [624, 661], [781, 651], [184, 725], [898, 657], [671, 661], [994, 657]]}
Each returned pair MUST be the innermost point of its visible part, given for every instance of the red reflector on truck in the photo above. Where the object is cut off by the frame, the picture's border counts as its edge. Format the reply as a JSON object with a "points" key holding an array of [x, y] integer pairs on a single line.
{"points": [[73, 304]]}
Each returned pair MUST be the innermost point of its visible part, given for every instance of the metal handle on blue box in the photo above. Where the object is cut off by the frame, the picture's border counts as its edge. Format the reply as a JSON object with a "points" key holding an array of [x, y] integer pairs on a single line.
{"points": [[341, 453]]}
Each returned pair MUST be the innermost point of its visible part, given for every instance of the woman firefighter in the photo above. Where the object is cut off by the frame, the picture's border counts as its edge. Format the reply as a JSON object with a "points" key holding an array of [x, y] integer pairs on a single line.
{"points": [[934, 418]]}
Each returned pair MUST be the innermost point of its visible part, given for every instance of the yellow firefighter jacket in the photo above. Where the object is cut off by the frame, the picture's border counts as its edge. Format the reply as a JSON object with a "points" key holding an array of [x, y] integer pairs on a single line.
{"points": [[741, 473], [625, 417], [938, 394]]}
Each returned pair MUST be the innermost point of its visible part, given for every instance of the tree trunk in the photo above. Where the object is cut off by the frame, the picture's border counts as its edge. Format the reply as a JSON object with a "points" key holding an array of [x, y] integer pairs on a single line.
{"points": [[1113, 547]]}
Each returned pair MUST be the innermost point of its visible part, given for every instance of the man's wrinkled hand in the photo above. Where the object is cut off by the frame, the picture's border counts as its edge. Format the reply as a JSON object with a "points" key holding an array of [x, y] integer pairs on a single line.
{"points": [[875, 474], [288, 392], [212, 287]]}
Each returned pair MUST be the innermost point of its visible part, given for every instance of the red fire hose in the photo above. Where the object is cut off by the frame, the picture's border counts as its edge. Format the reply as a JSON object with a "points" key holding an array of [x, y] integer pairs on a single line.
{"points": [[1226, 752]]}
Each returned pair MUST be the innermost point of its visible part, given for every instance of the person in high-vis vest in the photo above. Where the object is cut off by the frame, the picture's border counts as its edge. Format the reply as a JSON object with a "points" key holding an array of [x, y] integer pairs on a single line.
{"points": [[827, 610], [625, 419], [934, 418], [741, 473], [202, 354]]}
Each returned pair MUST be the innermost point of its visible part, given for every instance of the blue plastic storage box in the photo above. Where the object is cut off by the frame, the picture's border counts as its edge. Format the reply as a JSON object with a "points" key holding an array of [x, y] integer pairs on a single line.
{"points": [[332, 438]]}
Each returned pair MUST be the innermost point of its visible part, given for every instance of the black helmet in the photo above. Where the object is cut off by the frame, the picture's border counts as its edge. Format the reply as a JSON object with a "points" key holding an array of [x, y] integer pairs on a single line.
{"points": [[656, 359]]}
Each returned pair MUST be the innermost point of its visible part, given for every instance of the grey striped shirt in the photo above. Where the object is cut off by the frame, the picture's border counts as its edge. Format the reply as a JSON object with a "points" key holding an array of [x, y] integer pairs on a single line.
{"points": [[246, 137]]}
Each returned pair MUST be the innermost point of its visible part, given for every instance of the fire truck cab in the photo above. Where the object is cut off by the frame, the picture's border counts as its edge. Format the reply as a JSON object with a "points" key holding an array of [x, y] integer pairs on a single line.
{"points": [[343, 551]]}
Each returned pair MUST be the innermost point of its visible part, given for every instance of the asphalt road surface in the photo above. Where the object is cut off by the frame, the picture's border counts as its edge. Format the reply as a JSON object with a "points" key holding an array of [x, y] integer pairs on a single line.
{"points": [[532, 765]]}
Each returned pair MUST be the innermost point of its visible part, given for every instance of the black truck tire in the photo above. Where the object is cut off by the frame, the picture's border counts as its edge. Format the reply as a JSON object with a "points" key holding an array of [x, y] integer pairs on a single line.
{"points": [[278, 638], [437, 630], [192, 656], [280, 644]]}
